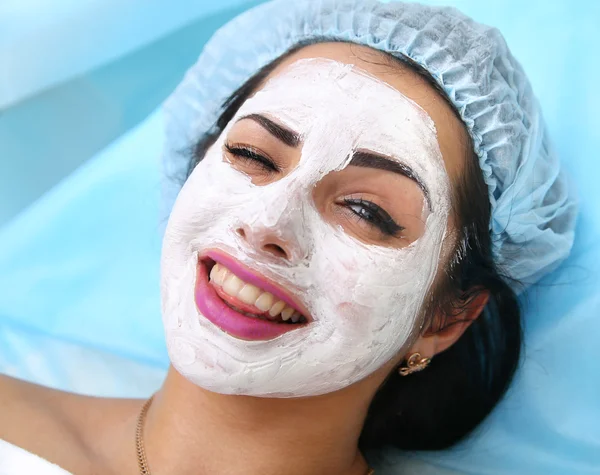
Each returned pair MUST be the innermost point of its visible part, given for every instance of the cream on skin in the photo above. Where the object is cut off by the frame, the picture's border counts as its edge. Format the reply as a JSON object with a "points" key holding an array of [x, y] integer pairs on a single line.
{"points": [[363, 300]]}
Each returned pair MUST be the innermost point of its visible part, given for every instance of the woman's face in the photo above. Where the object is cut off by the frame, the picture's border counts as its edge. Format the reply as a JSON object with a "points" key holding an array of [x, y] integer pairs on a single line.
{"points": [[301, 249]]}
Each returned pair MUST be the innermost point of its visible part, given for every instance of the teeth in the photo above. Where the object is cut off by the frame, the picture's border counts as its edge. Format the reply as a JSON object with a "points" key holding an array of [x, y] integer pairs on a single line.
{"points": [[277, 308], [216, 275], [264, 302], [252, 295], [286, 313], [233, 284], [223, 273], [249, 294]]}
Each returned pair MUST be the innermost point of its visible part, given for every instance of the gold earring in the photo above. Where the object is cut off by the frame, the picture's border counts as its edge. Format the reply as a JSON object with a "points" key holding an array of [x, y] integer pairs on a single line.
{"points": [[414, 363]]}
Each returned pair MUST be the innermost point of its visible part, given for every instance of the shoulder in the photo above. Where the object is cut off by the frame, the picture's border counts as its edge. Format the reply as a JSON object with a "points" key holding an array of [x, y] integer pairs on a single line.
{"points": [[25, 406], [33, 417]]}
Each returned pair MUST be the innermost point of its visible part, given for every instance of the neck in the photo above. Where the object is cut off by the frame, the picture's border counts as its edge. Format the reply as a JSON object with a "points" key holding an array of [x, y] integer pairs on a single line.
{"points": [[193, 431]]}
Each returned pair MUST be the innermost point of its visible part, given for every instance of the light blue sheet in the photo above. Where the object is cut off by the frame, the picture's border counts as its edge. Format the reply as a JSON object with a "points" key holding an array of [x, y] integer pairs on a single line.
{"points": [[82, 73], [82, 263], [79, 302], [43, 44]]}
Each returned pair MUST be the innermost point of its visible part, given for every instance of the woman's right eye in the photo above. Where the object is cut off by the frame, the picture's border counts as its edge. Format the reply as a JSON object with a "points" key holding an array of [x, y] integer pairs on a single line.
{"points": [[252, 157]]}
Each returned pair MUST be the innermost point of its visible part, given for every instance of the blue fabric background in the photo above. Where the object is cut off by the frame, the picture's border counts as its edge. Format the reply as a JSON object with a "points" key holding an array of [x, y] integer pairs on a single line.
{"points": [[79, 305]]}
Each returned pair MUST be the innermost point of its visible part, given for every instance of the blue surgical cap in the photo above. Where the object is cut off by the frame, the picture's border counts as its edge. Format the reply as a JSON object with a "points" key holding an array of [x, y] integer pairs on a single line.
{"points": [[533, 208]]}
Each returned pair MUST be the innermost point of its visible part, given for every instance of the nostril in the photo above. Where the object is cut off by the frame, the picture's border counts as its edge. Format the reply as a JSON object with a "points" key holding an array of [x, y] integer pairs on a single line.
{"points": [[240, 232], [275, 250]]}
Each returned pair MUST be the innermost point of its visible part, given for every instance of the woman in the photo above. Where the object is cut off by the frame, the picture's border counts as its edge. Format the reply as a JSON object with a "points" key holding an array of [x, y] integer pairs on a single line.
{"points": [[339, 269]]}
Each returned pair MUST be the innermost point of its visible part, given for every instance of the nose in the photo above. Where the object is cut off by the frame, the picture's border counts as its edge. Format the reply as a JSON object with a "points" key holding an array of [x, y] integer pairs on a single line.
{"points": [[269, 242]]}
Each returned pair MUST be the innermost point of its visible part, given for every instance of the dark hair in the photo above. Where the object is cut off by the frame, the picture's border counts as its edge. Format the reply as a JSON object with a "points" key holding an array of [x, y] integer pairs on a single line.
{"points": [[436, 408]]}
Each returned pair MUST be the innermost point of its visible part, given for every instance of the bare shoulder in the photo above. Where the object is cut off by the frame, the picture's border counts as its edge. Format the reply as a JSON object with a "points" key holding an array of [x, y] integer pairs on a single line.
{"points": [[20, 401], [33, 418], [79, 433]]}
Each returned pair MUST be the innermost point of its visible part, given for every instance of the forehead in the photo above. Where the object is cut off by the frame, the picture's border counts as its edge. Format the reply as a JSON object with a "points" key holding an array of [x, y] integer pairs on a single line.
{"points": [[307, 90], [339, 109], [450, 131]]}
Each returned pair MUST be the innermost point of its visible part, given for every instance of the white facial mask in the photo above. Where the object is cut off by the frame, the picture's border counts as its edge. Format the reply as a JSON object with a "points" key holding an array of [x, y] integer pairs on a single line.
{"points": [[365, 299]]}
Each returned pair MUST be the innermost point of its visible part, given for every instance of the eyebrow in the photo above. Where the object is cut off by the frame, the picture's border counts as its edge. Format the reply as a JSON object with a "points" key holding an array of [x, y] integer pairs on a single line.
{"points": [[285, 135], [363, 158]]}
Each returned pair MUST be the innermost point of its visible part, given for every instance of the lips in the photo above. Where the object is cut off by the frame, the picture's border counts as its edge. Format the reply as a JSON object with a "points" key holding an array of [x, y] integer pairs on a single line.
{"points": [[258, 311]]}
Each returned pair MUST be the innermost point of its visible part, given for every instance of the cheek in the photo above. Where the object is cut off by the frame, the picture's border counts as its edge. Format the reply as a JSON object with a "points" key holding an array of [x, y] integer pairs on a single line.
{"points": [[211, 187], [361, 284], [370, 294]]}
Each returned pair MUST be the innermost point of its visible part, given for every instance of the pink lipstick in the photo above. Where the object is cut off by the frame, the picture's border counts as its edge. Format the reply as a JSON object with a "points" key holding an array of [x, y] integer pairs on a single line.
{"points": [[233, 316]]}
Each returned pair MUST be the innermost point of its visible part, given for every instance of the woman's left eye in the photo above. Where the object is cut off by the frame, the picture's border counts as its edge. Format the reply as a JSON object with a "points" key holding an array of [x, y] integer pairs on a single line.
{"points": [[374, 215]]}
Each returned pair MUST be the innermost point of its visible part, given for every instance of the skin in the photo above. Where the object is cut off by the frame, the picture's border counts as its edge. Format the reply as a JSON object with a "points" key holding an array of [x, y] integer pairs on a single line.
{"points": [[190, 430]]}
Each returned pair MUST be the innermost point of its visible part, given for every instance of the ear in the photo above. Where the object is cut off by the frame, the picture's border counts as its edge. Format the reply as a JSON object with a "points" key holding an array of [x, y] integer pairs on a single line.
{"points": [[434, 341]]}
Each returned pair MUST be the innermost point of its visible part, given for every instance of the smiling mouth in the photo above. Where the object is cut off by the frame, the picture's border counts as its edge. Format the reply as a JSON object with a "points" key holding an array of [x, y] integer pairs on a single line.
{"points": [[243, 303], [250, 300]]}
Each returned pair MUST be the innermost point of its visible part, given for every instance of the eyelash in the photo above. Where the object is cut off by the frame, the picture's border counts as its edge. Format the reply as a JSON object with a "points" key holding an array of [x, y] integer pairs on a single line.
{"points": [[250, 155], [374, 215]]}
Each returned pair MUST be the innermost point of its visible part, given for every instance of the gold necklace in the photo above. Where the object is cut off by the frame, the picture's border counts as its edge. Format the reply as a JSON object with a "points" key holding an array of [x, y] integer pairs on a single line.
{"points": [[139, 441]]}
